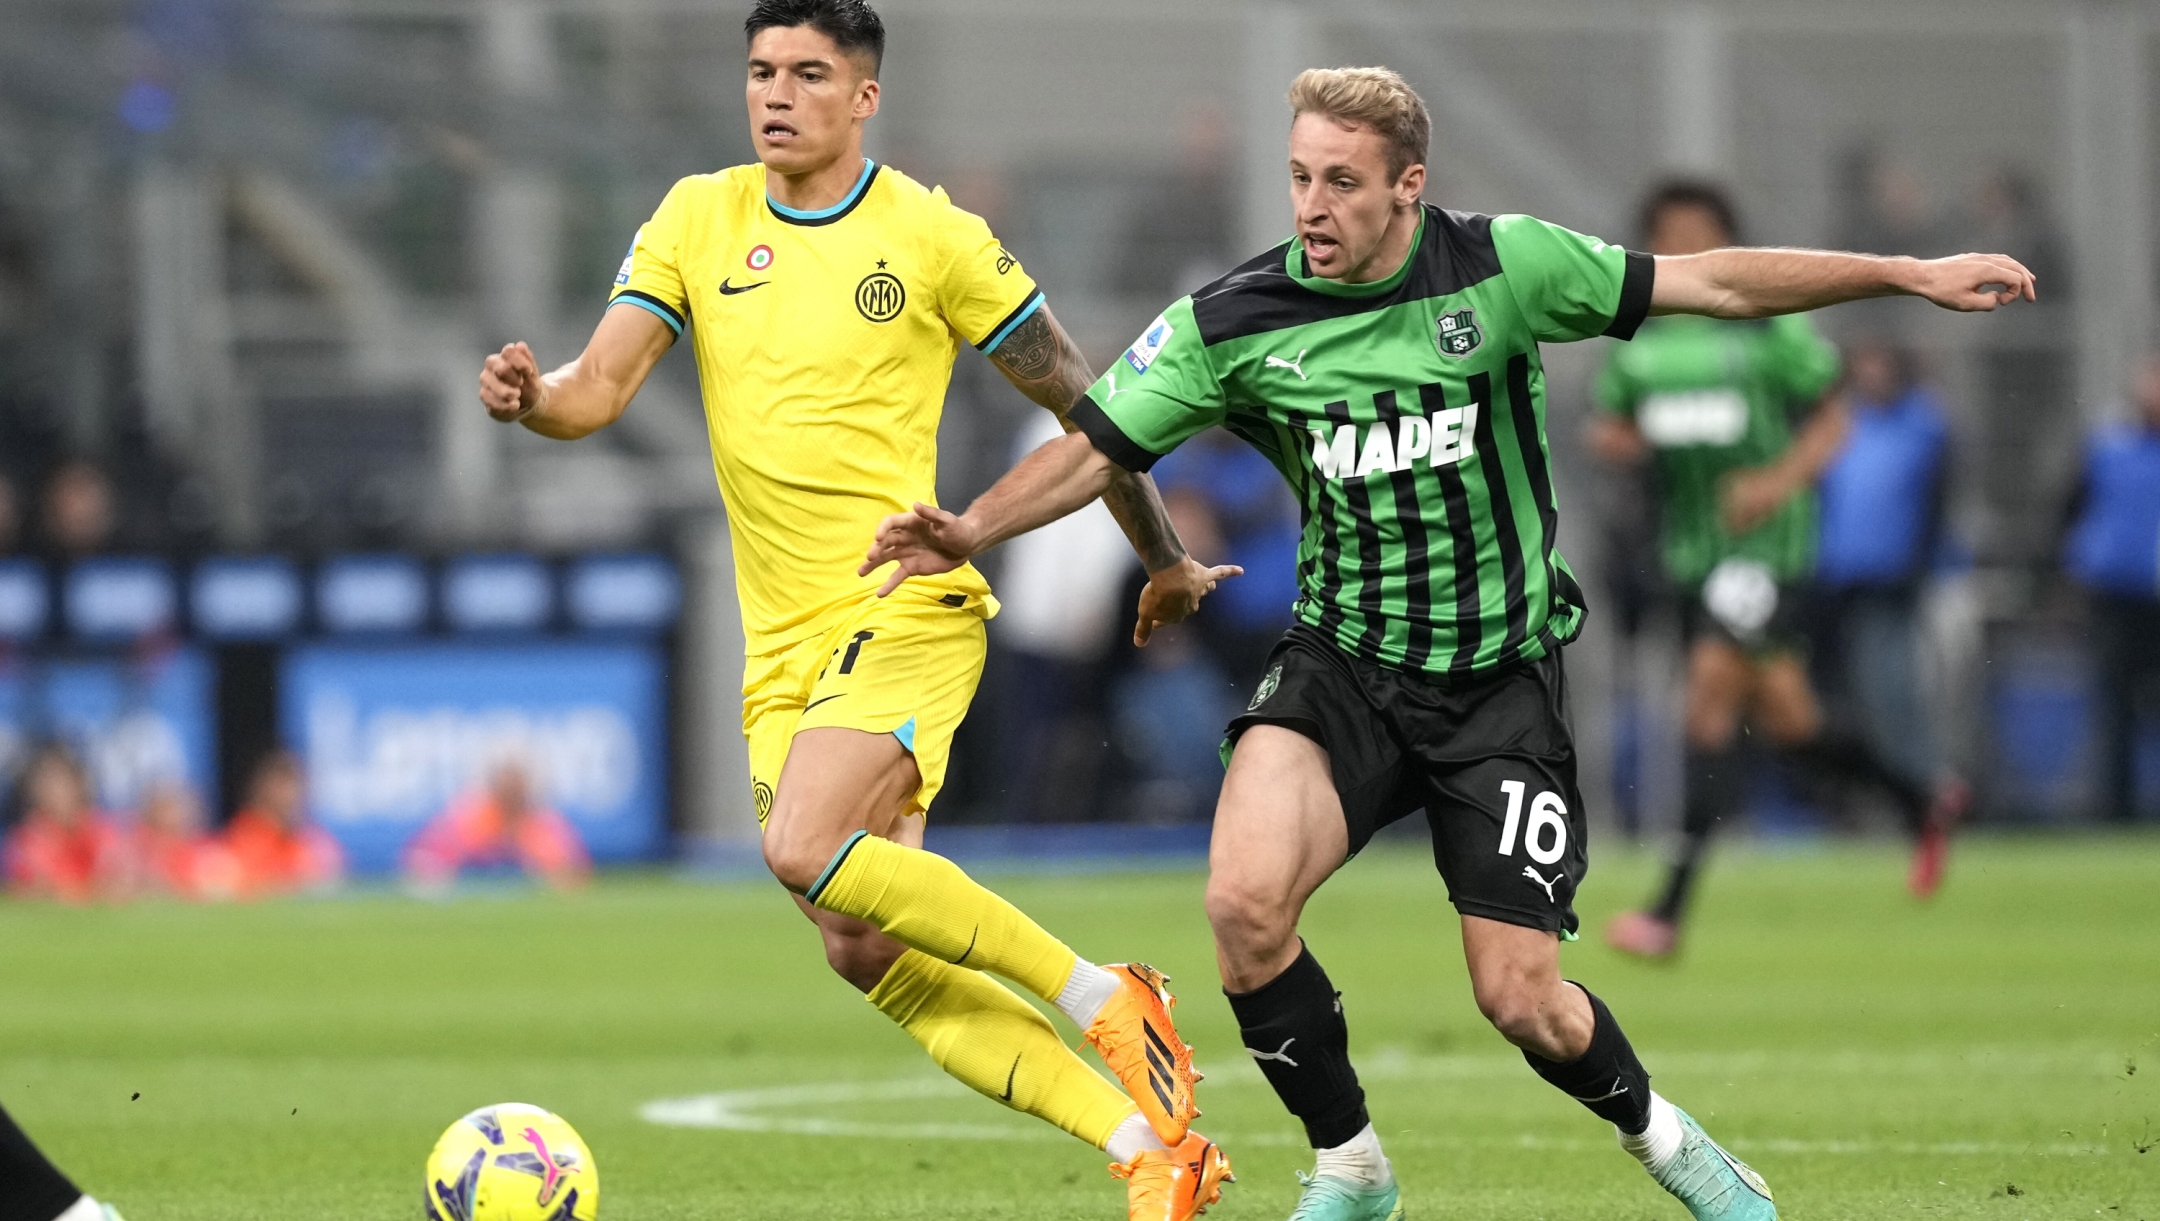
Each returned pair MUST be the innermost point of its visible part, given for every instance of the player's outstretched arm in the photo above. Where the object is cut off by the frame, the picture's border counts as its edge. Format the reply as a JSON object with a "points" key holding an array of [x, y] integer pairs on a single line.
{"points": [[1741, 282], [1044, 363], [587, 394], [1058, 478]]}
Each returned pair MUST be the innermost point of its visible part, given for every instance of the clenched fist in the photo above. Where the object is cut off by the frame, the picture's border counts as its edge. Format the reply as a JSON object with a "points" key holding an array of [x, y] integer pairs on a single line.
{"points": [[510, 386]]}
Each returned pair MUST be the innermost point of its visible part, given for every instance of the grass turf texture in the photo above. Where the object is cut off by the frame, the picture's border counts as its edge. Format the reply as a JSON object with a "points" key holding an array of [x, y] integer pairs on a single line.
{"points": [[1991, 1055]]}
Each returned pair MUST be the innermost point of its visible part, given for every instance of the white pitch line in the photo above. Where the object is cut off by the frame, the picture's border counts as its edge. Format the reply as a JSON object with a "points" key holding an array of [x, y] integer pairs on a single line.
{"points": [[748, 1111]]}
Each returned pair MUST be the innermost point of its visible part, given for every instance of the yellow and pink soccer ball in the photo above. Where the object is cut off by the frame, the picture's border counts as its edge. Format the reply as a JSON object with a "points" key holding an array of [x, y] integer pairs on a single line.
{"points": [[512, 1162]]}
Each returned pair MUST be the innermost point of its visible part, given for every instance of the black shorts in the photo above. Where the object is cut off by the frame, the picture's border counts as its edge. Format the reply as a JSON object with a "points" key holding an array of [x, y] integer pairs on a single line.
{"points": [[1744, 605], [1491, 762]]}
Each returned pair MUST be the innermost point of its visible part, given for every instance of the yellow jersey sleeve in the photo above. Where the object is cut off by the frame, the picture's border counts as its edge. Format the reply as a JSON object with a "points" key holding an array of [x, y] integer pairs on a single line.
{"points": [[982, 291], [651, 276]]}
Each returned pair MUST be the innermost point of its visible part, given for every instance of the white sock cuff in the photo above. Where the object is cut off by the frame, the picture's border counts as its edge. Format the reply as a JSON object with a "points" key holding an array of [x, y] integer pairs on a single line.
{"points": [[1085, 993], [1357, 1160], [1132, 1138], [85, 1209], [1655, 1145]]}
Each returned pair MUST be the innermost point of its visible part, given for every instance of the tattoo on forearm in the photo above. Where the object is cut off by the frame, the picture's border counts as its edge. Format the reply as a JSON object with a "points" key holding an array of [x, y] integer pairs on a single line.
{"points": [[1030, 353], [1043, 362], [1138, 508]]}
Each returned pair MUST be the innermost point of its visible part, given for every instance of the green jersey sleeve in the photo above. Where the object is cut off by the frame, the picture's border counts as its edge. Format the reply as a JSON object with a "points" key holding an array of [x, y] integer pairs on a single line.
{"points": [[1160, 392], [1805, 364], [1569, 285]]}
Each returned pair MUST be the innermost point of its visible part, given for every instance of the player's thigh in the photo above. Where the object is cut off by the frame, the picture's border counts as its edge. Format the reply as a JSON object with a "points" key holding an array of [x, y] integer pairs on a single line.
{"points": [[1279, 829], [835, 783], [1511, 840], [1785, 707], [906, 668], [1719, 677]]}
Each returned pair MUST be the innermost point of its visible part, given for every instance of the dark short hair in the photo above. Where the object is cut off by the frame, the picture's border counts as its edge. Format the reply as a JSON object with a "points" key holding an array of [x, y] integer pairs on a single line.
{"points": [[1690, 193], [852, 24]]}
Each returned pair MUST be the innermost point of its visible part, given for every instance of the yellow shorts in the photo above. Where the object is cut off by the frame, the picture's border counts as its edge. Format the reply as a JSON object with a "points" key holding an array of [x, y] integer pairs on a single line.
{"points": [[904, 665]]}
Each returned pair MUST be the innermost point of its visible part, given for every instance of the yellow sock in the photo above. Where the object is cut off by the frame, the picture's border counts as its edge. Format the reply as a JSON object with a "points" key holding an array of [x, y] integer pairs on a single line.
{"points": [[999, 1046], [927, 903]]}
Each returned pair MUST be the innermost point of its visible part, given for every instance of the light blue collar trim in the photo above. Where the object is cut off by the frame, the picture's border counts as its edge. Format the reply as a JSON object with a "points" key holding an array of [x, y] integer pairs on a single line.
{"points": [[854, 193]]}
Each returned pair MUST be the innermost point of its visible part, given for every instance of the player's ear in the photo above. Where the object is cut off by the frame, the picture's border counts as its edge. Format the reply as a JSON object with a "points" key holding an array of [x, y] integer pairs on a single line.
{"points": [[1410, 187], [866, 97]]}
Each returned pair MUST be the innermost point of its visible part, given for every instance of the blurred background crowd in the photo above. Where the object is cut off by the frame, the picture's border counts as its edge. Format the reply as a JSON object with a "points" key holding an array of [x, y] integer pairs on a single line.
{"points": [[277, 602]]}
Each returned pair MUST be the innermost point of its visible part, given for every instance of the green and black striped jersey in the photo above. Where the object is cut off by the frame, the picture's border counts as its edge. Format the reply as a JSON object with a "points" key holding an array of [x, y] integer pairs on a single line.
{"points": [[1712, 397], [1408, 416]]}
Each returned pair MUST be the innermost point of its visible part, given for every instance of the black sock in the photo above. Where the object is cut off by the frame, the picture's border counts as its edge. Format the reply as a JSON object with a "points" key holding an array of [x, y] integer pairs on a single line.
{"points": [[1607, 1078], [1845, 754], [1713, 791], [1293, 1026], [31, 1188]]}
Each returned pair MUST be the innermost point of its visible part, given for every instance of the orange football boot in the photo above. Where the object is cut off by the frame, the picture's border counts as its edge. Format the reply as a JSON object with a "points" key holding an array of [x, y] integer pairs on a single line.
{"points": [[1135, 1037], [1174, 1184]]}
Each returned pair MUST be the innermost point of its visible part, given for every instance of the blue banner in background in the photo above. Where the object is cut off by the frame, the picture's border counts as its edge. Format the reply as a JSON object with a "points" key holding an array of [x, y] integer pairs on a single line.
{"points": [[134, 722], [392, 733]]}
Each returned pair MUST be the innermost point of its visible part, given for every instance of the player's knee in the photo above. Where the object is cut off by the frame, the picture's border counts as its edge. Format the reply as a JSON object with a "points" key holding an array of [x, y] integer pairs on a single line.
{"points": [[1511, 1009], [1245, 919], [862, 958], [795, 857]]}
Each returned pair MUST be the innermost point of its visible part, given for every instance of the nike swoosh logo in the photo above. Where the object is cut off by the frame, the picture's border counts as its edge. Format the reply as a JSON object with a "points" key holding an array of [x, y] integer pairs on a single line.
{"points": [[814, 703], [971, 946], [729, 290], [1007, 1095]]}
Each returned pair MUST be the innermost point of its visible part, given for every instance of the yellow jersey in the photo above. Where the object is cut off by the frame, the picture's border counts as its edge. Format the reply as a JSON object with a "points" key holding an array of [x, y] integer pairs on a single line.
{"points": [[825, 342]]}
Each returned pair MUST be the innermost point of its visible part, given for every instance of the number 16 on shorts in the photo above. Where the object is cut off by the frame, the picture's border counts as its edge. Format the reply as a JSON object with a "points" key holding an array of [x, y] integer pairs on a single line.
{"points": [[1545, 839]]}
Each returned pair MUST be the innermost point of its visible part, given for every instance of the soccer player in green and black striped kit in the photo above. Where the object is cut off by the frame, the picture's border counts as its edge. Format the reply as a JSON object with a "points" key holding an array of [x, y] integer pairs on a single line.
{"points": [[1386, 361], [1738, 421]]}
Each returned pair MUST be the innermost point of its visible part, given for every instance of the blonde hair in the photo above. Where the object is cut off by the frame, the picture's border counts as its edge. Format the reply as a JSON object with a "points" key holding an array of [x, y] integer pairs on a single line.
{"points": [[1378, 98]]}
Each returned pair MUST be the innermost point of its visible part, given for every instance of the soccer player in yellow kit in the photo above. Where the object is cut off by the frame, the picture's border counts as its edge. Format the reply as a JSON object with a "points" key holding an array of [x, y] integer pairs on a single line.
{"points": [[826, 295]]}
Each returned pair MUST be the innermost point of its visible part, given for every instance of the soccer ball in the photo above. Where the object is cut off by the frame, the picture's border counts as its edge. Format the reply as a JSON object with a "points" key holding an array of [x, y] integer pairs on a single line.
{"points": [[511, 1162]]}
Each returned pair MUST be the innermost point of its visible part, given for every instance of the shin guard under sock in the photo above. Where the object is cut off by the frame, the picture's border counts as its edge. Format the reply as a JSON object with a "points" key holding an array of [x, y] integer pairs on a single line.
{"points": [[1713, 792], [998, 1045], [927, 903], [31, 1188], [1607, 1078], [1293, 1026]]}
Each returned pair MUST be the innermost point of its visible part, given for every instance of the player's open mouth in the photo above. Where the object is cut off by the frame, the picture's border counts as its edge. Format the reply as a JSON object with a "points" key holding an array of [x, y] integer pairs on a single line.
{"points": [[778, 131], [1319, 245]]}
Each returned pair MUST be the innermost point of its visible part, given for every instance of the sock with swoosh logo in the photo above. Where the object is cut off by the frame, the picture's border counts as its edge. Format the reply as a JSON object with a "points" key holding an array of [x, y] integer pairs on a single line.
{"points": [[998, 1045], [1607, 1078], [927, 903]]}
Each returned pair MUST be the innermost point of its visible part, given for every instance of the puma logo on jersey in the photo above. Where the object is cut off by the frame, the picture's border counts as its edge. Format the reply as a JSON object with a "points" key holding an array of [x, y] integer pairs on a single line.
{"points": [[1446, 436], [1295, 366], [1531, 873], [1277, 1054], [1110, 379]]}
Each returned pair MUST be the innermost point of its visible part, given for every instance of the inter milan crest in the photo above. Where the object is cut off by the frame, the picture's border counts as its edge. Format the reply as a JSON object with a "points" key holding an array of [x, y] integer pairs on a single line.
{"points": [[880, 296], [1458, 333]]}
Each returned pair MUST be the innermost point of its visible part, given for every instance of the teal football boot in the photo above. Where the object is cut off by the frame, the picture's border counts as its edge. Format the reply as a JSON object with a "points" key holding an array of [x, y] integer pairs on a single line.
{"points": [[1715, 1185], [1332, 1199]]}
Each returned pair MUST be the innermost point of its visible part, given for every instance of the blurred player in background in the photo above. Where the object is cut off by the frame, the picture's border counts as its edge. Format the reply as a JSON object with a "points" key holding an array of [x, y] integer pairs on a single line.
{"points": [[502, 825], [1386, 361], [828, 294], [33, 1189], [1738, 422]]}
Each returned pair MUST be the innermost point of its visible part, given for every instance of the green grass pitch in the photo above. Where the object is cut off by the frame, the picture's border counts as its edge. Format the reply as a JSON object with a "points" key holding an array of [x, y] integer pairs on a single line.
{"points": [[1991, 1055]]}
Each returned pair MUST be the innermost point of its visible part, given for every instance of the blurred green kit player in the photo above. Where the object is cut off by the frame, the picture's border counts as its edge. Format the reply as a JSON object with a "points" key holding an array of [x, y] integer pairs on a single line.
{"points": [[1738, 421], [1386, 361]]}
